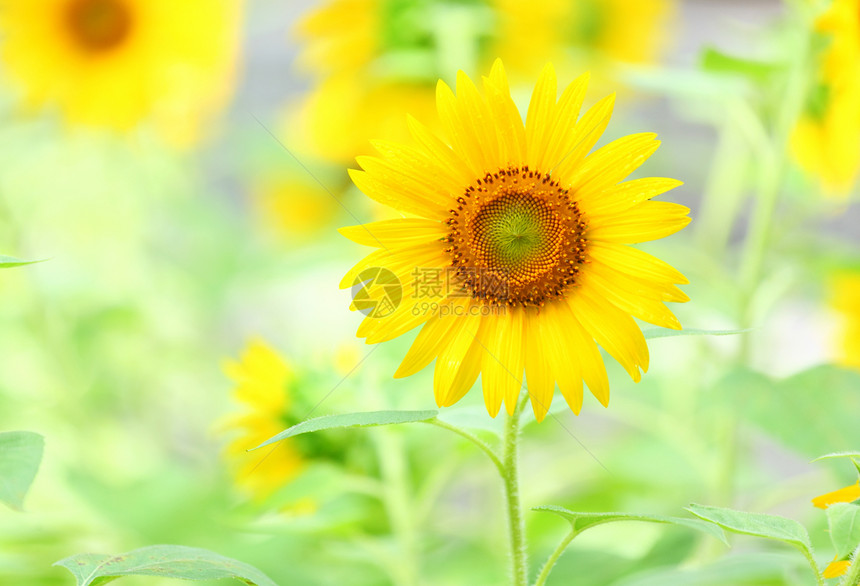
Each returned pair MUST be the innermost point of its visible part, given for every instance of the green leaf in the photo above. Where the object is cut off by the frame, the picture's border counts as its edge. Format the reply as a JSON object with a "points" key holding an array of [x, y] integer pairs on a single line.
{"points": [[851, 455], [367, 419], [581, 521], [812, 412], [716, 61], [756, 524], [20, 456], [165, 561], [7, 262], [844, 520], [652, 333]]}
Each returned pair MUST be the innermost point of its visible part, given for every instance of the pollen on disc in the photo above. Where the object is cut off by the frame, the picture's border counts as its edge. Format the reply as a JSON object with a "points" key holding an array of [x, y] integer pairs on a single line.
{"points": [[516, 238]]}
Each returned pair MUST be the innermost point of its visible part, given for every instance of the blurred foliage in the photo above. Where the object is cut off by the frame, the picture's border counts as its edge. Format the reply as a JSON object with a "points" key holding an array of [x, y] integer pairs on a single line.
{"points": [[157, 263]]}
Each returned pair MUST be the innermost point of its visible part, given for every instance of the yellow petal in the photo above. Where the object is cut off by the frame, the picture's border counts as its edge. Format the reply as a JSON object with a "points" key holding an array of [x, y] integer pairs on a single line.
{"points": [[836, 569], [649, 220], [419, 165], [502, 362], [541, 383], [562, 355], [590, 360], [433, 337], [455, 354], [395, 233], [650, 310], [465, 144], [563, 137], [387, 194], [643, 287], [477, 119], [585, 135], [512, 136], [634, 262], [619, 198], [844, 495], [613, 163], [439, 151], [613, 329], [539, 114]]}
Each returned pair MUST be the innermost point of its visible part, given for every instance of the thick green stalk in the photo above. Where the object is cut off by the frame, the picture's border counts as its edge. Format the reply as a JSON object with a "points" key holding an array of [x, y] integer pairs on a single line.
{"points": [[510, 477]]}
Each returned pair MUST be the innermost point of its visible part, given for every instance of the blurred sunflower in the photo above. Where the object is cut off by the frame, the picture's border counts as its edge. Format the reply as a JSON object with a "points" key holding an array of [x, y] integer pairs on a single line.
{"points": [[611, 30], [293, 207], [826, 140], [523, 236], [848, 494], [263, 385], [116, 63], [375, 59], [845, 299]]}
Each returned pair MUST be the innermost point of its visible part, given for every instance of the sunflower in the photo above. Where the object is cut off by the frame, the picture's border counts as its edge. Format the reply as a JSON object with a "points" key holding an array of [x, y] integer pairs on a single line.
{"points": [[846, 301], [826, 139], [848, 494], [517, 258], [115, 63], [615, 30], [263, 384]]}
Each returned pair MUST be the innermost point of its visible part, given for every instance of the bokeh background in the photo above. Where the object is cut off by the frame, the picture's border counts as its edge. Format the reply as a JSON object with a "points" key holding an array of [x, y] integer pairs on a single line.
{"points": [[185, 199]]}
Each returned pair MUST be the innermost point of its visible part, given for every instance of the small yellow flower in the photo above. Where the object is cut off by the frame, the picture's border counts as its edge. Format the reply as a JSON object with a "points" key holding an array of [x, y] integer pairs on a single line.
{"points": [[523, 236], [115, 63], [263, 385], [826, 140], [848, 494], [846, 301]]}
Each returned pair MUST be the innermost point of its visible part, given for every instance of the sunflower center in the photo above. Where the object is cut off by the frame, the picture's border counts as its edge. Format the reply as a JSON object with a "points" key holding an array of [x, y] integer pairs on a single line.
{"points": [[98, 25], [516, 238]]}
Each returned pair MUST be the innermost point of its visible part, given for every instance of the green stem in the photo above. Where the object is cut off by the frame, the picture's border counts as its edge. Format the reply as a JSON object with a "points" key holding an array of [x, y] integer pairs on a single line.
{"points": [[852, 578], [814, 565], [772, 155], [553, 558], [392, 462], [510, 477]]}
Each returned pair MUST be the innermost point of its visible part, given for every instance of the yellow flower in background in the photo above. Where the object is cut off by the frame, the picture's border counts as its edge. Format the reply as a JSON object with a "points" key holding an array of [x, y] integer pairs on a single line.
{"points": [[846, 301], [375, 59], [619, 30], [263, 384], [515, 256], [848, 494], [339, 116], [340, 36], [826, 140], [293, 207], [116, 63]]}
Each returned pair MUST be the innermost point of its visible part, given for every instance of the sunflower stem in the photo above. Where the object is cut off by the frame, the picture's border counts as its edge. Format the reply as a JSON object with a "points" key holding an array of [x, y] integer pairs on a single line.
{"points": [[553, 558], [396, 500], [510, 477]]}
